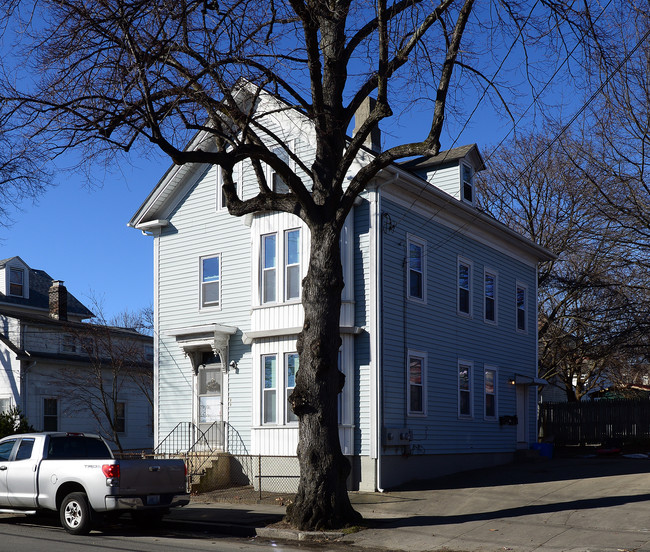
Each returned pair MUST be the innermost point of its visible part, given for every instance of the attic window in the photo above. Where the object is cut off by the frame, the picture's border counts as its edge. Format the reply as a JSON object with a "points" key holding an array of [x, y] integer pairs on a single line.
{"points": [[467, 183], [17, 282]]}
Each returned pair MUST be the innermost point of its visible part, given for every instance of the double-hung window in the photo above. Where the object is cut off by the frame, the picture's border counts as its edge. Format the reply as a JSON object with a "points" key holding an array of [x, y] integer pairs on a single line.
{"points": [[120, 417], [278, 185], [236, 177], [415, 390], [50, 414], [521, 300], [416, 269], [269, 272], [17, 282], [490, 297], [292, 264], [467, 177], [464, 389], [490, 393], [211, 281], [270, 389], [291, 370], [464, 287]]}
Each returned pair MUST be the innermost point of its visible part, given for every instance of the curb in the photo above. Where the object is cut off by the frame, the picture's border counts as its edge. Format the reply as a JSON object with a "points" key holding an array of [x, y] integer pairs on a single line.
{"points": [[294, 534]]}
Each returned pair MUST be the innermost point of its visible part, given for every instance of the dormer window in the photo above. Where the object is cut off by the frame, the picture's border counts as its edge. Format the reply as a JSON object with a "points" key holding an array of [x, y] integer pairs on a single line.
{"points": [[467, 183], [17, 282]]}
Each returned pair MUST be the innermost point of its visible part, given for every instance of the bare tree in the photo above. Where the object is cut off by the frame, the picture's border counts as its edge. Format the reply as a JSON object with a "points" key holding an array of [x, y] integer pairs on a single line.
{"points": [[116, 361], [592, 298], [116, 75]]}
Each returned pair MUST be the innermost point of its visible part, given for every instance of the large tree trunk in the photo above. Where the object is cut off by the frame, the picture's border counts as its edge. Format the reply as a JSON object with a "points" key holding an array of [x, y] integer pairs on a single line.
{"points": [[322, 501]]}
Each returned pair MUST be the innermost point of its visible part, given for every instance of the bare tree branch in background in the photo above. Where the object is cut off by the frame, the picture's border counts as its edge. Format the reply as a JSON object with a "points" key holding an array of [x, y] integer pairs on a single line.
{"points": [[593, 302], [118, 364]]}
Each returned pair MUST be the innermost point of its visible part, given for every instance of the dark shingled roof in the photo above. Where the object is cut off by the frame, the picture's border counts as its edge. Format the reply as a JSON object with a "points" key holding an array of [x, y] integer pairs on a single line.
{"points": [[449, 156], [39, 285]]}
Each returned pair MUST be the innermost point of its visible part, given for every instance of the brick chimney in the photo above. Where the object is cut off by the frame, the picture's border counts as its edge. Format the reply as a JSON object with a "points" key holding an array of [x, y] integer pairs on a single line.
{"points": [[58, 300], [373, 141]]}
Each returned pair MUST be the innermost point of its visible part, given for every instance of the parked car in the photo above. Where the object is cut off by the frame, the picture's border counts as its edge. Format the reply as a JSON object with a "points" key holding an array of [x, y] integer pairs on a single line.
{"points": [[76, 475]]}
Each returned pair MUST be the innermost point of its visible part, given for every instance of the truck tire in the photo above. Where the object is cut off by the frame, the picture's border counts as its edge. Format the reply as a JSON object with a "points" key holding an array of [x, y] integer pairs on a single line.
{"points": [[75, 514]]}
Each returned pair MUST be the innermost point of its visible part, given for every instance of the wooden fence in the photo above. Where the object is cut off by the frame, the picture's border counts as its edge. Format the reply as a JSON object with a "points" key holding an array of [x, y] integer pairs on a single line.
{"points": [[595, 422]]}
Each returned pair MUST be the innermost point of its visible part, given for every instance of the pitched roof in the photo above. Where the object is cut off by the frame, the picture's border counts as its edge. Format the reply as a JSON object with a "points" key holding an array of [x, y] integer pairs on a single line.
{"points": [[39, 285], [449, 156]]}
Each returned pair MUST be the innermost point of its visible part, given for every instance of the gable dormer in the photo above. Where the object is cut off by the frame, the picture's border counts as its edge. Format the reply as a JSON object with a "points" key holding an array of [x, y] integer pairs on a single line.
{"points": [[452, 171], [14, 278]]}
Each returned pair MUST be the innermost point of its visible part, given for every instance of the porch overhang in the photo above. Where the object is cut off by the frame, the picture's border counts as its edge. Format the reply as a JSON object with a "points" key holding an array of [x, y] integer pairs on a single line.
{"points": [[195, 341], [529, 380]]}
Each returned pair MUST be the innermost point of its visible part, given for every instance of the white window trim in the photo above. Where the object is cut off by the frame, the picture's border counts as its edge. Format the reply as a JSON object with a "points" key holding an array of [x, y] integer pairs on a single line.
{"points": [[470, 264], [471, 388], [279, 381], [495, 274], [125, 432], [285, 264], [462, 183], [23, 272], [422, 356], [496, 393], [287, 390], [58, 411], [211, 306], [410, 239], [519, 285], [262, 269]]}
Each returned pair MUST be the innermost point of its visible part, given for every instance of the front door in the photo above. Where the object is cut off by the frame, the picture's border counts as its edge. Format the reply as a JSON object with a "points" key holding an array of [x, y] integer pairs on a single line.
{"points": [[209, 414]]}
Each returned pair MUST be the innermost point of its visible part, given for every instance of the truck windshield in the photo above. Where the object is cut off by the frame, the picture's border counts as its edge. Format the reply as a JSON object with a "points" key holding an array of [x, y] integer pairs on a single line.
{"points": [[69, 447]]}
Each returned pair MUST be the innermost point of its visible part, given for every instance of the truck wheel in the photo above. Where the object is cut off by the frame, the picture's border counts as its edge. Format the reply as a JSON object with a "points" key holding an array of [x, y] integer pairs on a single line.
{"points": [[75, 514]]}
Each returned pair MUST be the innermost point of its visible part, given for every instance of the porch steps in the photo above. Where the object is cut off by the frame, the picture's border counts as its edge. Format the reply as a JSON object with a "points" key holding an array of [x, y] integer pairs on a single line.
{"points": [[214, 475]]}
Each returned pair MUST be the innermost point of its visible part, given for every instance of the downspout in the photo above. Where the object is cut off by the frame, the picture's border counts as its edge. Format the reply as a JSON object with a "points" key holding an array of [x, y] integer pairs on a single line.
{"points": [[379, 242]]}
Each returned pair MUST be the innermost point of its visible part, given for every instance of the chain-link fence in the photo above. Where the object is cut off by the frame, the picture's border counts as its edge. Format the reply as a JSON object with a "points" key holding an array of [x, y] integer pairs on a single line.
{"points": [[247, 478]]}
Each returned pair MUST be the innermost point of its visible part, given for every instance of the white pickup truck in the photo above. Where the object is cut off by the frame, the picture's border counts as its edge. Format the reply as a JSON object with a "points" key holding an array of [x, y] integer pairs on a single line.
{"points": [[76, 475]]}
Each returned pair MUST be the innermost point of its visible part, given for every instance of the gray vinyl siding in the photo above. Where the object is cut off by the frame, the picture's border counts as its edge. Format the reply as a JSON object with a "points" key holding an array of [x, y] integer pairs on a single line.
{"points": [[362, 290], [436, 329], [196, 229]]}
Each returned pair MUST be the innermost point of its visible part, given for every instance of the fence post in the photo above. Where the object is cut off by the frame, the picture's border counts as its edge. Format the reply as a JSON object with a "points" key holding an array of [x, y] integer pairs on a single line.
{"points": [[259, 473]]}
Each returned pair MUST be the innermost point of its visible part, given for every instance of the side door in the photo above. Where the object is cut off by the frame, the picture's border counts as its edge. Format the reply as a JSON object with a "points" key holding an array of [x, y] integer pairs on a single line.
{"points": [[6, 448], [21, 475]]}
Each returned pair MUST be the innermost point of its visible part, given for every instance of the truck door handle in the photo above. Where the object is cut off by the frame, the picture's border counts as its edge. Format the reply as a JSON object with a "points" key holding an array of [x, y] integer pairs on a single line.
{"points": [[151, 468], [3, 468]]}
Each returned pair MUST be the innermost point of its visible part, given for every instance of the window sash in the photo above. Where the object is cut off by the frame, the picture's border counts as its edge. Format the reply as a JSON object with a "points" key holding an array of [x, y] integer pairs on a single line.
{"points": [[269, 391], [490, 297], [269, 260], [521, 308], [16, 282], [416, 385], [210, 281], [291, 370], [464, 288], [120, 417], [490, 393], [464, 389], [468, 183], [416, 271], [292, 264], [50, 415]]}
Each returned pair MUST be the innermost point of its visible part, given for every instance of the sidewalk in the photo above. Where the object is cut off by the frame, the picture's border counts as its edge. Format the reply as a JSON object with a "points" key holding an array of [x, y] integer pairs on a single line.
{"points": [[595, 504]]}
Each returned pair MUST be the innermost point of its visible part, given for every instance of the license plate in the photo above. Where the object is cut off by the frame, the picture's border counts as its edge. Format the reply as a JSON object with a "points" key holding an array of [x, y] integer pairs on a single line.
{"points": [[153, 500]]}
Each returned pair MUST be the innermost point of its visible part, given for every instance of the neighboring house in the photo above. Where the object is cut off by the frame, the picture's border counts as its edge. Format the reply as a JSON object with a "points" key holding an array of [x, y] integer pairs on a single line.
{"points": [[438, 321], [50, 359]]}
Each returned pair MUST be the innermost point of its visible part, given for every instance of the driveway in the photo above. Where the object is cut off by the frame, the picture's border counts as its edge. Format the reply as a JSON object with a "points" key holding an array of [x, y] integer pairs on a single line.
{"points": [[578, 504]]}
